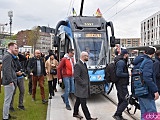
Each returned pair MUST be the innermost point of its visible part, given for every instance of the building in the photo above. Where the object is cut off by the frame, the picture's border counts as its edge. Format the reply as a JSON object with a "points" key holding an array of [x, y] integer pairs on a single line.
{"points": [[150, 30], [22, 38], [45, 41], [41, 39], [25, 48], [130, 42]]}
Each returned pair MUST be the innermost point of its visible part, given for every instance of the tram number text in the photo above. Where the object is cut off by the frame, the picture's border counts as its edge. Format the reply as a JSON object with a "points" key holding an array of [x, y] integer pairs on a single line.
{"points": [[88, 24]]}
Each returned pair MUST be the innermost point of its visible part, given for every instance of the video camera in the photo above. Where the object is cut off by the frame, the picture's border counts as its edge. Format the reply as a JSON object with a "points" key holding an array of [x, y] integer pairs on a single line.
{"points": [[132, 101], [23, 73]]}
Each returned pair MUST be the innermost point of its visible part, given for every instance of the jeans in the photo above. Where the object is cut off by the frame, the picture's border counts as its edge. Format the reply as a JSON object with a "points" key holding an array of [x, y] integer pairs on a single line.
{"points": [[146, 105], [20, 85], [8, 93], [69, 88]]}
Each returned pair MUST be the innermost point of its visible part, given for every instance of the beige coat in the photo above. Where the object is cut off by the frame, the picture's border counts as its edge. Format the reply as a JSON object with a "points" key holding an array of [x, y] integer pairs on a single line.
{"points": [[48, 67]]}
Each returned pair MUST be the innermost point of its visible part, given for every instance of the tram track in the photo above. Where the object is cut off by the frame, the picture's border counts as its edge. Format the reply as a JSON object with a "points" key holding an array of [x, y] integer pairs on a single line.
{"points": [[115, 103], [132, 117]]}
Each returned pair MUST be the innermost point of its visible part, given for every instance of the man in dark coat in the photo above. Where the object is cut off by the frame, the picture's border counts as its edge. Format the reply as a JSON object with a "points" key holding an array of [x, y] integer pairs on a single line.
{"points": [[147, 102], [82, 86], [36, 68], [122, 83], [156, 68]]}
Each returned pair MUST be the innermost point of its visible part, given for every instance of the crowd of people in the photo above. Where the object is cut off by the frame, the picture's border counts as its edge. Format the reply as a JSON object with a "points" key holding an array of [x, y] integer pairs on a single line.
{"points": [[16, 66], [150, 77], [75, 77]]}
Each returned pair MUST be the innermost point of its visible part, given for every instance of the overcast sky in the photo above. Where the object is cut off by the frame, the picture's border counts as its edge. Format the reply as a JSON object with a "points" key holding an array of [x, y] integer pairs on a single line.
{"points": [[126, 20]]}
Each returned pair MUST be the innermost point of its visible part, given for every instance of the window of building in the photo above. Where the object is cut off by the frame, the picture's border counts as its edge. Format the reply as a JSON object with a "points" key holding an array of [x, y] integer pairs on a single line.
{"points": [[152, 23], [159, 32], [144, 26], [159, 19], [148, 35], [148, 25], [145, 36], [152, 34]]}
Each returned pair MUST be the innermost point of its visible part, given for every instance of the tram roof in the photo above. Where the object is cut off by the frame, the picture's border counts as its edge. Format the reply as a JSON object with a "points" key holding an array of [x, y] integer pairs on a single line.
{"points": [[86, 21]]}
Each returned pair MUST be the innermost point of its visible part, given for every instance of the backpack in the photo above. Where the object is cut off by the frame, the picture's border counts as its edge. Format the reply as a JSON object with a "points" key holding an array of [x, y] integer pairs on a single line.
{"points": [[138, 86], [111, 73], [111, 76]]}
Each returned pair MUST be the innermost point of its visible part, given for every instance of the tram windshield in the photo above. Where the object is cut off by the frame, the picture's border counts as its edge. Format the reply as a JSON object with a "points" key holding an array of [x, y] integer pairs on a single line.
{"points": [[95, 47]]}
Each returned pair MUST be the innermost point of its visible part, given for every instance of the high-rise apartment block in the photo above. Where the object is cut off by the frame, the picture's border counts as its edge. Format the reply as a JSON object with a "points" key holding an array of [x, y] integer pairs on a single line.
{"points": [[150, 30]]}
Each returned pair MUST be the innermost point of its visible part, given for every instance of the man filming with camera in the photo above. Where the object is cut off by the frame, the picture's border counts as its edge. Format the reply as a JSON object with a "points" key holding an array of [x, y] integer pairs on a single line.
{"points": [[20, 82]]}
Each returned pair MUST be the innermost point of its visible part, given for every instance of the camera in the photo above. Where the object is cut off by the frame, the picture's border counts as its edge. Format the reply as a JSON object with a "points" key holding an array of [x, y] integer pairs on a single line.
{"points": [[132, 101], [23, 73]]}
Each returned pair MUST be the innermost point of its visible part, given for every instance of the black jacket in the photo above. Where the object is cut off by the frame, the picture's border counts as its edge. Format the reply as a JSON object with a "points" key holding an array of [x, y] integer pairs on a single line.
{"points": [[32, 66], [122, 70], [156, 68]]}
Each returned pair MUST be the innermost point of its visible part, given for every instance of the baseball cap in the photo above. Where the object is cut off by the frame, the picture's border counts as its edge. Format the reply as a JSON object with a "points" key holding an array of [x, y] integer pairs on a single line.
{"points": [[124, 51]]}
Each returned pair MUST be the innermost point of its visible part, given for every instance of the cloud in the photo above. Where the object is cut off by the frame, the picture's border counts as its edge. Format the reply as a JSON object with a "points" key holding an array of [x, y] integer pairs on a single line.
{"points": [[29, 13]]}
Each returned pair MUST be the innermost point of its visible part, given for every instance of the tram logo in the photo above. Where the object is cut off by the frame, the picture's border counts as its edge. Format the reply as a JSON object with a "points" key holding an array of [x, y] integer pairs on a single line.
{"points": [[99, 77]]}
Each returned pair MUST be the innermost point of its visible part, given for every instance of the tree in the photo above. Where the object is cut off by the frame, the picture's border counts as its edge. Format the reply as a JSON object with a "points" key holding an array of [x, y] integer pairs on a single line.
{"points": [[32, 37]]}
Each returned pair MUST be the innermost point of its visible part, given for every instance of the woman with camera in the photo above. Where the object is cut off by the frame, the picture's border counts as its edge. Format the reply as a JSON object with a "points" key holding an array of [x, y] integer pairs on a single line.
{"points": [[51, 69]]}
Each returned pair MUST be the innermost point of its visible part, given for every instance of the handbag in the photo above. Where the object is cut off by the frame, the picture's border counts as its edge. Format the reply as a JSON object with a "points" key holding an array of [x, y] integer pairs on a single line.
{"points": [[53, 71]]}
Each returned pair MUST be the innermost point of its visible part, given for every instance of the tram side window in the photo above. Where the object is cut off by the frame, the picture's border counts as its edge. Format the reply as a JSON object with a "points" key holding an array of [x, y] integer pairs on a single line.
{"points": [[62, 49], [65, 45]]}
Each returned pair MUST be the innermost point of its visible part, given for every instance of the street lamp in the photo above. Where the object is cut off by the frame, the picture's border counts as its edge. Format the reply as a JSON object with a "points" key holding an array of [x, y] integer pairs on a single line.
{"points": [[10, 15]]}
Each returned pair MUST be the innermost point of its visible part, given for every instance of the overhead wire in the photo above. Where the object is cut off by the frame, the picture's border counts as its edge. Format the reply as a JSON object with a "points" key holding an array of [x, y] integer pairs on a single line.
{"points": [[111, 7], [122, 9], [69, 7]]}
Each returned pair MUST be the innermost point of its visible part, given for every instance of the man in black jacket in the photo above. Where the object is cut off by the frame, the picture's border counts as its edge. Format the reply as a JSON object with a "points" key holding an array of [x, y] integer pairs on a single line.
{"points": [[36, 68], [156, 68], [82, 87], [20, 82], [121, 85]]}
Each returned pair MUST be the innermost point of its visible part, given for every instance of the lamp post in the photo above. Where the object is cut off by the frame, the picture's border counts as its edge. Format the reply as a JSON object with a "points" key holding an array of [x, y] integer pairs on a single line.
{"points": [[10, 15]]}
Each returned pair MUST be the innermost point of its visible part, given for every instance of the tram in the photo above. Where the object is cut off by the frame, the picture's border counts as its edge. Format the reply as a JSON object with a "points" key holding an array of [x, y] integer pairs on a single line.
{"points": [[90, 34]]}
